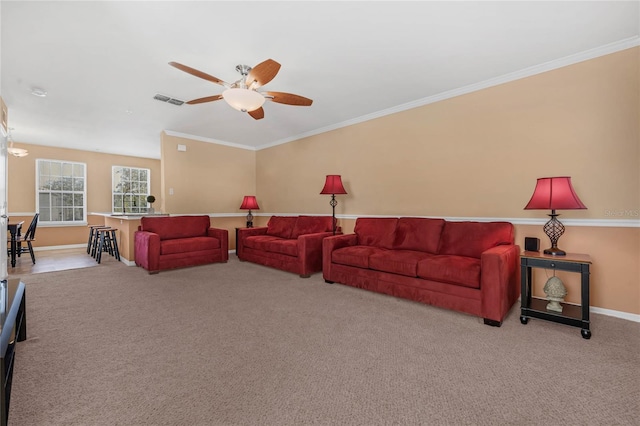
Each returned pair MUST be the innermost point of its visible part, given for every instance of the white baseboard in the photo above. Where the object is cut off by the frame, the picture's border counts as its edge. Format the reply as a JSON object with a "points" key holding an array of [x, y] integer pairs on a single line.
{"points": [[69, 246], [608, 312], [617, 314], [127, 261]]}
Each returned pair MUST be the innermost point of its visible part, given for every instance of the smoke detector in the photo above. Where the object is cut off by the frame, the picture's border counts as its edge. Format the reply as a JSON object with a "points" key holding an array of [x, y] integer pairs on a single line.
{"points": [[41, 93]]}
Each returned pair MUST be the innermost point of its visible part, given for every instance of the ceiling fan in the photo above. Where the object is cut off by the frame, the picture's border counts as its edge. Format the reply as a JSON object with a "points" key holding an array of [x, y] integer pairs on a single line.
{"points": [[243, 94]]}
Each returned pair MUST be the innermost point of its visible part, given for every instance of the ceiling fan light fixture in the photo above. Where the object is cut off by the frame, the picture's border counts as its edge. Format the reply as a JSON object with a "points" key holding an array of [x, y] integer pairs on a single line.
{"points": [[16, 152], [244, 100]]}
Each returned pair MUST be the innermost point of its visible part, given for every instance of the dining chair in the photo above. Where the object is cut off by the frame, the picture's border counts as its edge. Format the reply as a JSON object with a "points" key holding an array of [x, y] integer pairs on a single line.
{"points": [[15, 229], [28, 238]]}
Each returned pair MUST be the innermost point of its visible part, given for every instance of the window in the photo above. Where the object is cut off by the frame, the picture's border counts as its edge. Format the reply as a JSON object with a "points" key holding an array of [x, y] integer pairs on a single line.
{"points": [[130, 189], [61, 191]]}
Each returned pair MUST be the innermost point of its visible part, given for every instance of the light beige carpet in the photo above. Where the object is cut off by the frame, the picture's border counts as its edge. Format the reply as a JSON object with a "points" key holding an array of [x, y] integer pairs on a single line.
{"points": [[242, 344]]}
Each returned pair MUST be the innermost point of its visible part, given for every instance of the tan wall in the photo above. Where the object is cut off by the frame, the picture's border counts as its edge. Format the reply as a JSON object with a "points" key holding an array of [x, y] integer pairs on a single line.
{"points": [[22, 187], [207, 178], [478, 155], [126, 229]]}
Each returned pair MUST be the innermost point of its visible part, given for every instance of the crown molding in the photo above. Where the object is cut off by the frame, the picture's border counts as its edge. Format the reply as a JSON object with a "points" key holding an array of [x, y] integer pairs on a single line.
{"points": [[209, 140]]}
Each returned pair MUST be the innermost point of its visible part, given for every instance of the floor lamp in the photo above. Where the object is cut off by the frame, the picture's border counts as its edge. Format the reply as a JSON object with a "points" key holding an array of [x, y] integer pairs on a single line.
{"points": [[332, 186]]}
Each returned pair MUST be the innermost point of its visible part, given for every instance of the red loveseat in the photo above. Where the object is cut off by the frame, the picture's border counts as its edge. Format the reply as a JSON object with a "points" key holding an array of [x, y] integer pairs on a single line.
{"points": [[179, 241], [469, 267], [290, 243]]}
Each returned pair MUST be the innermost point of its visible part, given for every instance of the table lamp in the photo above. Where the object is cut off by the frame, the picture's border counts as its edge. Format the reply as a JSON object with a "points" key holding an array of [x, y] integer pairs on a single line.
{"points": [[249, 202], [554, 193]]}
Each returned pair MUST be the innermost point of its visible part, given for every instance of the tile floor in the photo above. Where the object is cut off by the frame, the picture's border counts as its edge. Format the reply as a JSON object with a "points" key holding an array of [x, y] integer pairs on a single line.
{"points": [[54, 260]]}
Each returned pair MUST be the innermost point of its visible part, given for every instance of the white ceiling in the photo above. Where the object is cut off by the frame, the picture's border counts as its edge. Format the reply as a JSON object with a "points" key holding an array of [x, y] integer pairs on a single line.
{"points": [[101, 63]]}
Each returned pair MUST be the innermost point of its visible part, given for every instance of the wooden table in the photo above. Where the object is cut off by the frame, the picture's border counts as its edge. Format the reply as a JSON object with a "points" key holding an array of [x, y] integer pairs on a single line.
{"points": [[533, 307], [14, 229]]}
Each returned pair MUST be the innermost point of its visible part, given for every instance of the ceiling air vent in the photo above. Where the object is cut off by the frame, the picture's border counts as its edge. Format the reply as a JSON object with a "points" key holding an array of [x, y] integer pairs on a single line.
{"points": [[164, 98]]}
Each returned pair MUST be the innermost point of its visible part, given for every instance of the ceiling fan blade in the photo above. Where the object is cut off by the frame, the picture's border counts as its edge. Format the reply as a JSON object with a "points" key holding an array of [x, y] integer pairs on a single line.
{"points": [[205, 99], [197, 73], [262, 73], [287, 98], [257, 113]]}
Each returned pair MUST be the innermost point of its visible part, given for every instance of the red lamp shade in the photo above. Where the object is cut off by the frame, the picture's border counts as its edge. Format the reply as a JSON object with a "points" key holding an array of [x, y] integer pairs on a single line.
{"points": [[333, 185], [249, 202], [554, 193]]}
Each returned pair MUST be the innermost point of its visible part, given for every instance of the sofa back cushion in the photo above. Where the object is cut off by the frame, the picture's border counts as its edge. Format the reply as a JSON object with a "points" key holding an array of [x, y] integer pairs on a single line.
{"points": [[176, 226], [419, 234], [281, 226], [376, 231], [472, 238], [311, 225]]}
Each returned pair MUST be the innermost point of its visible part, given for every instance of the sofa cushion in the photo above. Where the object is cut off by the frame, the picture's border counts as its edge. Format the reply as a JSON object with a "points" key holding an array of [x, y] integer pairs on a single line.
{"points": [[472, 238], [259, 242], [376, 231], [281, 226], [417, 233], [460, 270], [311, 225], [282, 246], [184, 245], [176, 226], [357, 256], [403, 262]]}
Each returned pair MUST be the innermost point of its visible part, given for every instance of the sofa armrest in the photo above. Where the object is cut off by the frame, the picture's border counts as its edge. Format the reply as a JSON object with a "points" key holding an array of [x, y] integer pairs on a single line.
{"points": [[310, 252], [499, 281], [329, 244], [247, 232], [147, 250], [223, 236]]}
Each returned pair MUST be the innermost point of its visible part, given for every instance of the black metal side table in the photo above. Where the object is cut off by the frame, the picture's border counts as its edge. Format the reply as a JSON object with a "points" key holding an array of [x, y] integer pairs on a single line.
{"points": [[237, 229], [534, 307]]}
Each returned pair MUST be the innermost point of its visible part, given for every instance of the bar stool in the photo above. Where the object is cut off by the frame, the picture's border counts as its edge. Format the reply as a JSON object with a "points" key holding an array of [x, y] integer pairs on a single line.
{"points": [[106, 241], [95, 239], [92, 235]]}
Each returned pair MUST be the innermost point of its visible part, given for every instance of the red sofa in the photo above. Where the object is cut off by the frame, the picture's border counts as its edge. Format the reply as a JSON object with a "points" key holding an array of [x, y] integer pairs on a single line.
{"points": [[179, 241], [290, 243], [470, 267]]}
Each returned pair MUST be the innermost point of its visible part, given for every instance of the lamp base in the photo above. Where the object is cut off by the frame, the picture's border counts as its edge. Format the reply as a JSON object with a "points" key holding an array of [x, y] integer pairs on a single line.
{"points": [[554, 230], [555, 251]]}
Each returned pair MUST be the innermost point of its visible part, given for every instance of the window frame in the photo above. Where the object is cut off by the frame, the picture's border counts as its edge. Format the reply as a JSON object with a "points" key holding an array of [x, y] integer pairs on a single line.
{"points": [[45, 219], [135, 197]]}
